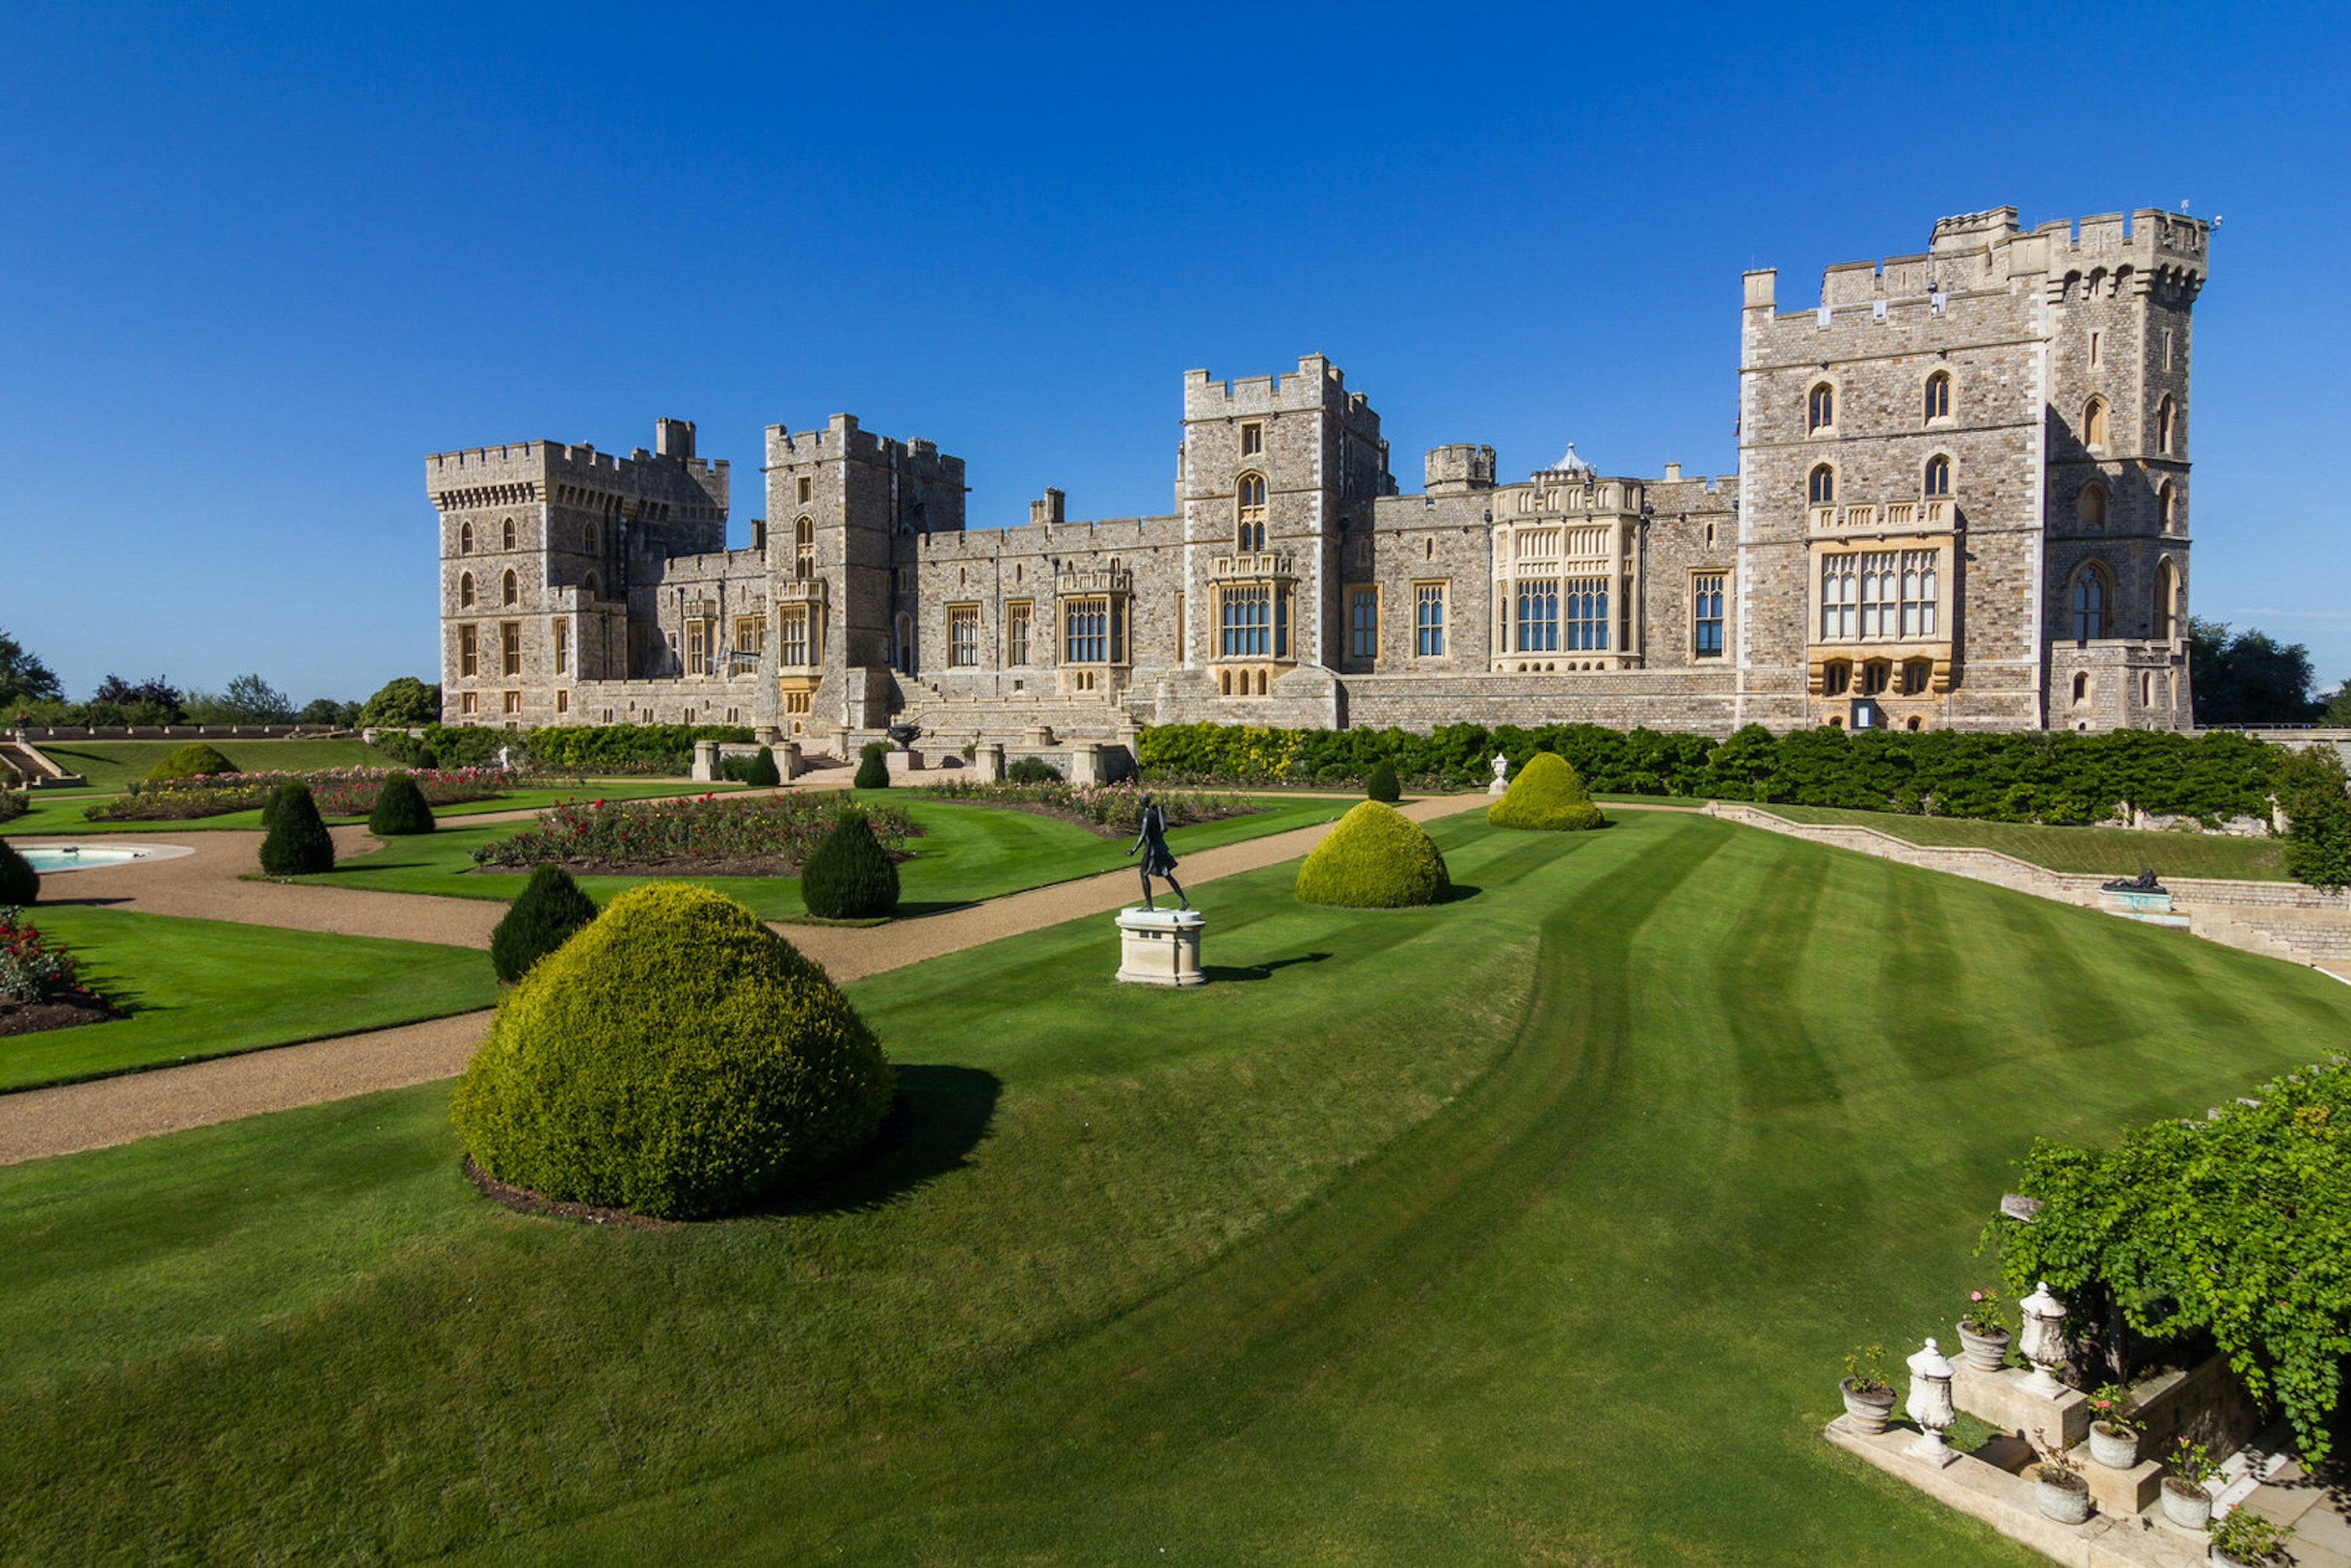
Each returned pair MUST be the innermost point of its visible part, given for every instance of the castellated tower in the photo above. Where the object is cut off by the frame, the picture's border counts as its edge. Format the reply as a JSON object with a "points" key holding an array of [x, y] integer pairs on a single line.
{"points": [[552, 562], [1967, 468]]}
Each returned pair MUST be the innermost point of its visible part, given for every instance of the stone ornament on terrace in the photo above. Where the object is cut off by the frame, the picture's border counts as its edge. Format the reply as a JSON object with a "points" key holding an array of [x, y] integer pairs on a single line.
{"points": [[1931, 1405]]}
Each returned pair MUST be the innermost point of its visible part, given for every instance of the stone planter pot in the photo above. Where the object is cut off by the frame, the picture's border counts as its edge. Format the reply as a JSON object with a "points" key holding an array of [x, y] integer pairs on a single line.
{"points": [[2111, 1446], [1983, 1351], [1867, 1416], [2067, 1504], [2219, 1559], [2186, 1504]]}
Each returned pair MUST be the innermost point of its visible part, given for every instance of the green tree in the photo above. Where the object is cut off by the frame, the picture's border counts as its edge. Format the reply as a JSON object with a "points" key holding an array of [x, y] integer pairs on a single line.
{"points": [[2311, 790], [248, 699], [328, 712], [24, 677], [2248, 677], [2338, 708], [402, 703]]}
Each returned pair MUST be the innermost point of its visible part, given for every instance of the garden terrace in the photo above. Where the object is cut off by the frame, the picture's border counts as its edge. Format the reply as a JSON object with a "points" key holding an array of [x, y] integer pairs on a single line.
{"points": [[1519, 1227], [1112, 810], [766, 835], [340, 792]]}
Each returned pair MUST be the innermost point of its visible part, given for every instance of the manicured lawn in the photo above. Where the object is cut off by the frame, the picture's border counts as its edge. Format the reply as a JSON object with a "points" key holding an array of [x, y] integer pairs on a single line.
{"points": [[111, 764], [965, 853], [53, 816], [2107, 852], [1526, 1229], [209, 987]]}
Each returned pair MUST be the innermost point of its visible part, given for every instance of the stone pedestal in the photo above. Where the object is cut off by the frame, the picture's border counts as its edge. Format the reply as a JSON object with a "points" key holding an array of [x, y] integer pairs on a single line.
{"points": [[1036, 736], [787, 755], [1160, 947], [2120, 1494], [706, 761], [907, 761], [988, 763], [1085, 762], [2001, 1399]]}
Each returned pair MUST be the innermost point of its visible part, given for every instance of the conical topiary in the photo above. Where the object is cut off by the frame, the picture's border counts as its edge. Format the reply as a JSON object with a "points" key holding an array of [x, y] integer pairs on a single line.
{"points": [[763, 773], [1548, 796], [1381, 784], [872, 772], [677, 1058], [399, 809], [550, 909], [850, 876], [19, 883], [297, 842], [1376, 858], [193, 760]]}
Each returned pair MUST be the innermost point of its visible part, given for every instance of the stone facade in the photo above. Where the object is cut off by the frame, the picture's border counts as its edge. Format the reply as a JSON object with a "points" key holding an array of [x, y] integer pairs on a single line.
{"points": [[1961, 501]]}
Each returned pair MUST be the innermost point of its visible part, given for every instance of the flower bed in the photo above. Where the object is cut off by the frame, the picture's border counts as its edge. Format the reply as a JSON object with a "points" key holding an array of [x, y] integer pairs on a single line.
{"points": [[340, 792], [37, 988], [1109, 810], [770, 835]]}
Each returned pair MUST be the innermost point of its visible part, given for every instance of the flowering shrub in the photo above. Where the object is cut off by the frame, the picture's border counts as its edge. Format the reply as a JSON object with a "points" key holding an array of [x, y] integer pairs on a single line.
{"points": [[705, 828], [1989, 1314], [340, 792], [1118, 807], [29, 971], [12, 803]]}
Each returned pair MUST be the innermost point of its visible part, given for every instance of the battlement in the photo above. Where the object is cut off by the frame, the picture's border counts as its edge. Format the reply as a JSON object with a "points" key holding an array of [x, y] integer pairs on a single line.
{"points": [[841, 439], [1989, 250], [1040, 538], [531, 470], [1458, 469], [1317, 385]]}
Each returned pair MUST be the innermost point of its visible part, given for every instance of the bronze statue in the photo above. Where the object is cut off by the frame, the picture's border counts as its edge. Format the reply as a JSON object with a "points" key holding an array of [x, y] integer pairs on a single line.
{"points": [[1156, 859], [2142, 883]]}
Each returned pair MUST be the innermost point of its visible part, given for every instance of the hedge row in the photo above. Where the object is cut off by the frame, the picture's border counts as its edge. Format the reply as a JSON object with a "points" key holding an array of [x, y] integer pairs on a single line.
{"points": [[607, 749], [2022, 777]]}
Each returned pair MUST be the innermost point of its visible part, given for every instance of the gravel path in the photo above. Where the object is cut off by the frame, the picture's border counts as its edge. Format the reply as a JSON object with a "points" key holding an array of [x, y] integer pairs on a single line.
{"points": [[42, 1121]]}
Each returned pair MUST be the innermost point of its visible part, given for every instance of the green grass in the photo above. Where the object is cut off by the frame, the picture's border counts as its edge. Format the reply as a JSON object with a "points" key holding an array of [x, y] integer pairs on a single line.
{"points": [[2106, 852], [55, 815], [111, 764], [196, 988], [967, 853], [1530, 1228]]}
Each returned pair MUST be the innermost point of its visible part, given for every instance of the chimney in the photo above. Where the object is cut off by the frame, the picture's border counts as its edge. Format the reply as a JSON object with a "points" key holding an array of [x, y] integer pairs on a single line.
{"points": [[675, 438], [1673, 473], [1048, 510]]}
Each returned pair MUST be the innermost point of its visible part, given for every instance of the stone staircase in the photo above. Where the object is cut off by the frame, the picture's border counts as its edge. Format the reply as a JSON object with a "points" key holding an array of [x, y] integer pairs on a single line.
{"points": [[22, 762], [2278, 920]]}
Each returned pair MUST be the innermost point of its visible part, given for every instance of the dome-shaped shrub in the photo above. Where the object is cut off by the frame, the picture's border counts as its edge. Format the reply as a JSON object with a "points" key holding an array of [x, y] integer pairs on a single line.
{"points": [[1382, 785], [763, 773], [297, 842], [677, 1058], [550, 909], [19, 883], [1376, 858], [1548, 796], [193, 760], [399, 809], [872, 772], [850, 876]]}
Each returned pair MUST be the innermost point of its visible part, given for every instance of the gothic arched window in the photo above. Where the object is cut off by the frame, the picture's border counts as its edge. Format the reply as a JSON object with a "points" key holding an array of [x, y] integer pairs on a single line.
{"points": [[465, 591], [1938, 475], [1250, 497], [2093, 423], [2090, 506], [1820, 413], [2087, 600], [506, 535], [1823, 485], [513, 591], [1938, 395], [2165, 413], [465, 539]]}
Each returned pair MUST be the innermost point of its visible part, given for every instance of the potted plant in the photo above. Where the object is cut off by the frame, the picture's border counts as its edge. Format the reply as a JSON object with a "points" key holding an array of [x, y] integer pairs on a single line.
{"points": [[2246, 1540], [2059, 1488], [2186, 1501], [2114, 1427], [1985, 1330], [1868, 1397]]}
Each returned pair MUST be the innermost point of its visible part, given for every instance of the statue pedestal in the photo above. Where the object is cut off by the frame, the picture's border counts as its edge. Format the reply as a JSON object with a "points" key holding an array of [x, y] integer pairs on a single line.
{"points": [[2004, 1399], [1160, 947]]}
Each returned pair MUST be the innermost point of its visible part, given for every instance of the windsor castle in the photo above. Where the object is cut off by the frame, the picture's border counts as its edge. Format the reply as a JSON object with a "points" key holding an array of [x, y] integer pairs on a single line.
{"points": [[1962, 501]]}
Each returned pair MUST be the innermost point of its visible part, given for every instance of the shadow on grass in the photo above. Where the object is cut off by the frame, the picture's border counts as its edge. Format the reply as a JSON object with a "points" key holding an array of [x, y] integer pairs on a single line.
{"points": [[1257, 971], [1461, 892], [940, 1116]]}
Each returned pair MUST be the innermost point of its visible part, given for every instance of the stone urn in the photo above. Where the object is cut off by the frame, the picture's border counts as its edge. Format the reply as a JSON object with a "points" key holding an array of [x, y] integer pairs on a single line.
{"points": [[2063, 1495], [2044, 1343], [2186, 1503], [1866, 1413], [2116, 1448], [1982, 1351]]}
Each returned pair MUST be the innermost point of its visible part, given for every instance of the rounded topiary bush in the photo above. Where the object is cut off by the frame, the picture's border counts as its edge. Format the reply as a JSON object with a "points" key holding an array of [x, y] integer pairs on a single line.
{"points": [[550, 909], [297, 842], [873, 773], [1382, 785], [850, 876], [1547, 796], [1031, 771], [677, 1058], [399, 809], [1376, 858], [763, 773], [19, 883], [193, 760]]}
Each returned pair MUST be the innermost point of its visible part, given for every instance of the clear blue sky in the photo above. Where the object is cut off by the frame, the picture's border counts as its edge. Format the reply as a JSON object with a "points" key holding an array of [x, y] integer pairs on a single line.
{"points": [[256, 261]]}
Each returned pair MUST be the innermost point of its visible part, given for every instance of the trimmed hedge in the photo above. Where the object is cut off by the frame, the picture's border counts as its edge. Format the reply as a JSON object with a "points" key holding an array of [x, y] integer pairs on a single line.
{"points": [[1382, 785], [549, 911], [850, 876], [193, 760], [399, 809], [1032, 771], [650, 750], [297, 843], [2060, 777], [872, 772], [1546, 797], [19, 883], [1376, 858], [763, 773], [677, 1058]]}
